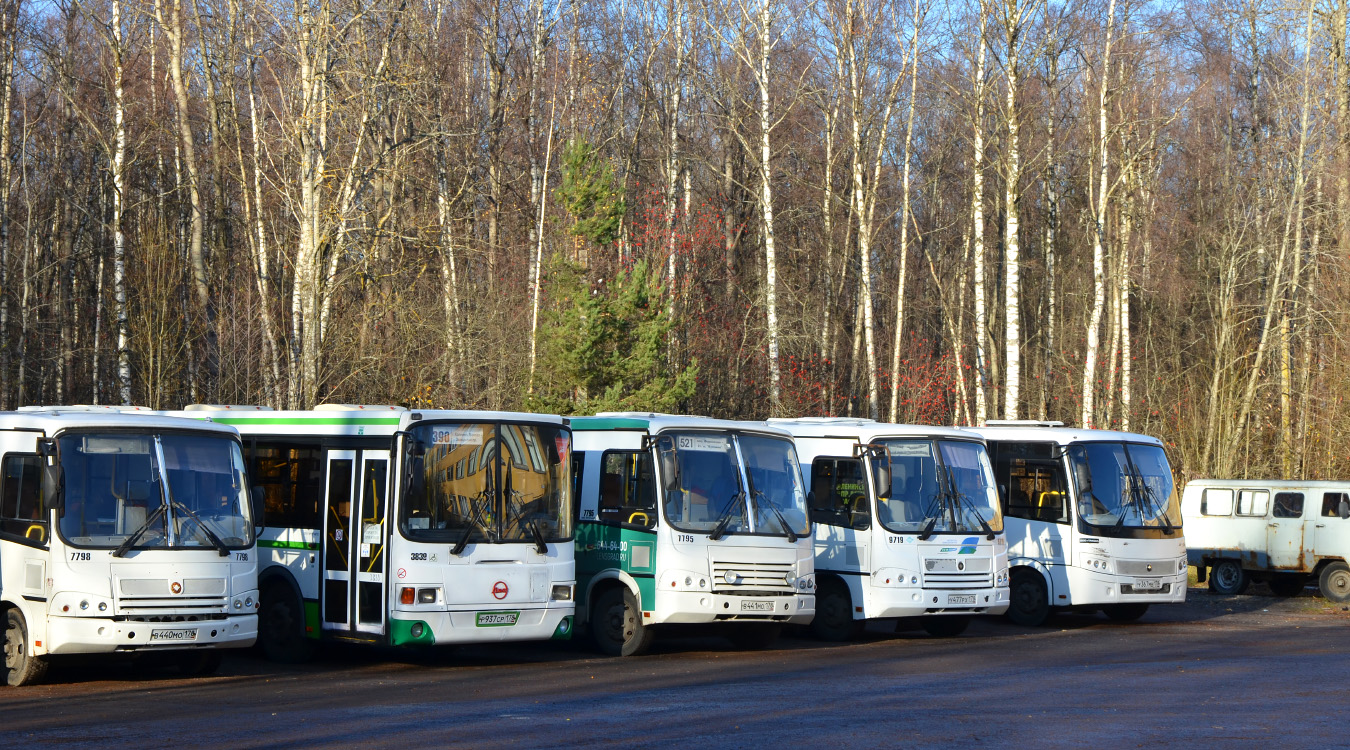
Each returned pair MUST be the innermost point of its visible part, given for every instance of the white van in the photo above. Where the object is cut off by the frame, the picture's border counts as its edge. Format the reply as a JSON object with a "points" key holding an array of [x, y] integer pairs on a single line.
{"points": [[1281, 532]]}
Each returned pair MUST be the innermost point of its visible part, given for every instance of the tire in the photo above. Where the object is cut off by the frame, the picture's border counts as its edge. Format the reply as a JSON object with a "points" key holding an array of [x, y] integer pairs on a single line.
{"points": [[753, 636], [21, 668], [202, 663], [1125, 612], [945, 626], [616, 624], [1335, 582], [834, 614], [1028, 599], [1288, 584], [281, 626], [1227, 577]]}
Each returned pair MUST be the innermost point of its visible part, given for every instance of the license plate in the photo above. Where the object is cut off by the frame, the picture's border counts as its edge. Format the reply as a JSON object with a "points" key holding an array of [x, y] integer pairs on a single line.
{"points": [[960, 599], [756, 606], [189, 634], [1147, 584], [496, 619]]}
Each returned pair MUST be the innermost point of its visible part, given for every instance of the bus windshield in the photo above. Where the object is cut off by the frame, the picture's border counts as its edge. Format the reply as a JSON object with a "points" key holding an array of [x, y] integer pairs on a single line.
{"points": [[1124, 485], [706, 484], [137, 490], [487, 482], [941, 487]]}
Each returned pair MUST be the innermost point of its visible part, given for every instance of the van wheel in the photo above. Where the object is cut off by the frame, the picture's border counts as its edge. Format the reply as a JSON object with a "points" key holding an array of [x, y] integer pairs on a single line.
{"points": [[834, 614], [945, 626], [1029, 602], [1288, 584], [1228, 578], [281, 626], [753, 636], [21, 668], [616, 624], [1125, 612], [1335, 582]]}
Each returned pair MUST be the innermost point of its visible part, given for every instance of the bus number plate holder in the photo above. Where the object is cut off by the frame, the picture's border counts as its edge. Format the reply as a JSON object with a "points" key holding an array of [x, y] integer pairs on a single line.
{"points": [[750, 606], [1147, 584], [960, 599], [169, 635], [496, 619]]}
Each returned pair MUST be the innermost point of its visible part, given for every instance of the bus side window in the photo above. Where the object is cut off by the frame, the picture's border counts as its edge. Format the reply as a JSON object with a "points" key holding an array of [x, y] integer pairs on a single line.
{"points": [[1032, 484], [21, 513], [627, 489], [840, 493], [291, 476]]}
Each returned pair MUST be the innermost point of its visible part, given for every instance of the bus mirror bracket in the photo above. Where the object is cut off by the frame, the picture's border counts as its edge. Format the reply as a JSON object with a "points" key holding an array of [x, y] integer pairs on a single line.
{"points": [[53, 482]]}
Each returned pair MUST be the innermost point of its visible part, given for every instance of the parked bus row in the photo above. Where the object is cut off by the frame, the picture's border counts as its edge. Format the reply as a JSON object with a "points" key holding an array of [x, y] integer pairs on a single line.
{"points": [[185, 533]]}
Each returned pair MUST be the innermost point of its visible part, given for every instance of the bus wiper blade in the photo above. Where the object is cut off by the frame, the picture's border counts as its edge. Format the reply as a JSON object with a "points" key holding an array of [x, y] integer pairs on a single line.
{"points": [[720, 529], [960, 500], [463, 542], [539, 544], [210, 535], [927, 532], [787, 530], [130, 541]]}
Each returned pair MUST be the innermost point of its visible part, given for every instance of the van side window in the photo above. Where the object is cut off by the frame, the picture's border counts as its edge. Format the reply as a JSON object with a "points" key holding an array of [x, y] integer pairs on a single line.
{"points": [[1216, 502], [840, 492], [627, 489], [21, 514], [1288, 504], [1253, 502], [1331, 504]]}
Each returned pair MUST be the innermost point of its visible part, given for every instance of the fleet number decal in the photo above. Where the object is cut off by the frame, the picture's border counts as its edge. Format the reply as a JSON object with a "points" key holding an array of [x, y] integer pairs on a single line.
{"points": [[684, 538], [241, 556], [79, 555], [418, 556]]}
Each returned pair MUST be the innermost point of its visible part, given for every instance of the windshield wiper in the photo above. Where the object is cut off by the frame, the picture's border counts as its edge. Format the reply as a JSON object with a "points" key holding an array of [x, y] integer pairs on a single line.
{"points": [[1151, 498], [962, 502], [210, 535], [927, 532], [724, 520], [787, 530], [540, 545], [130, 541], [463, 542]]}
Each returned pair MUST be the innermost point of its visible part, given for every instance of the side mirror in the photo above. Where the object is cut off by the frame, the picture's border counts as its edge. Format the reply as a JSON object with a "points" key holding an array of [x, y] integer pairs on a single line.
{"points": [[53, 484], [883, 477], [670, 470], [1344, 510], [416, 476], [258, 505], [811, 499]]}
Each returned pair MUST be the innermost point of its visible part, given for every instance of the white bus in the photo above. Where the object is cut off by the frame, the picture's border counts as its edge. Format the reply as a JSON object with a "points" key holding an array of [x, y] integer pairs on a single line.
{"points": [[1287, 533], [907, 524], [123, 533], [1092, 519], [406, 528], [689, 520]]}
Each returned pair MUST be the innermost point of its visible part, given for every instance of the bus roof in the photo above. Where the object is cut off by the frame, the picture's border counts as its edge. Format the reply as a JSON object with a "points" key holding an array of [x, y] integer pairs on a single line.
{"points": [[53, 419], [354, 420], [1061, 435], [652, 423], [865, 430]]}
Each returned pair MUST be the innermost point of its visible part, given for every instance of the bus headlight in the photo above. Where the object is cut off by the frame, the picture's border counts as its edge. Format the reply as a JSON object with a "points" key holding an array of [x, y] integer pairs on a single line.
{"points": [[1181, 565], [427, 596], [562, 593]]}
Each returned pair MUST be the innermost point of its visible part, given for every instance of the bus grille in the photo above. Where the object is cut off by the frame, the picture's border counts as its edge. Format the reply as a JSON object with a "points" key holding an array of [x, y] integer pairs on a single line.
{"points": [[750, 579], [1146, 567], [957, 573]]}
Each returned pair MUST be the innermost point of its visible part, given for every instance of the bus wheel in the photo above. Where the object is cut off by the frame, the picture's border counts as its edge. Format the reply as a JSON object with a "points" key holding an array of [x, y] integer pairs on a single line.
{"points": [[616, 624], [753, 636], [1335, 582], [834, 614], [20, 667], [1125, 612], [281, 626], [1228, 578], [1029, 602], [1288, 584], [202, 663], [945, 626]]}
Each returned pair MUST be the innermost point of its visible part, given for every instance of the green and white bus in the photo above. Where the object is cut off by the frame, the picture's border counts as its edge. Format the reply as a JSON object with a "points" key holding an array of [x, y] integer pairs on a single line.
{"points": [[390, 526], [689, 520], [123, 533], [907, 524]]}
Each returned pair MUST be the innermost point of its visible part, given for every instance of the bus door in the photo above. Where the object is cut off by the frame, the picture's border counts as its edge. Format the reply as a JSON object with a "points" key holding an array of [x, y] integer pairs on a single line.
{"points": [[354, 528], [337, 544], [369, 559]]}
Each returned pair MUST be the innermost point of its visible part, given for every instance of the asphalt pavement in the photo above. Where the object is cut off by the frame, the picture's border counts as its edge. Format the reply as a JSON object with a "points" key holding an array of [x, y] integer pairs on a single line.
{"points": [[1248, 671]]}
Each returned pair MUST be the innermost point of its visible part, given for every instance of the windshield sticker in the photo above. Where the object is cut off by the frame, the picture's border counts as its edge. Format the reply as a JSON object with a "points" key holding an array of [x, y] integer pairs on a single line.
{"points": [[464, 434], [712, 443], [563, 444], [909, 449]]}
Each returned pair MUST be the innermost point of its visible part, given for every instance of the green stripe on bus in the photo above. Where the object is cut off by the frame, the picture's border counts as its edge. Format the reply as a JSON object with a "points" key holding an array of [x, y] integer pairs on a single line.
{"points": [[316, 420], [590, 424], [287, 545]]}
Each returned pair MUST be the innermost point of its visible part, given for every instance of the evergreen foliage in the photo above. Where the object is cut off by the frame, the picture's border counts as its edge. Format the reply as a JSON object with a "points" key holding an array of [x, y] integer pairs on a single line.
{"points": [[589, 195]]}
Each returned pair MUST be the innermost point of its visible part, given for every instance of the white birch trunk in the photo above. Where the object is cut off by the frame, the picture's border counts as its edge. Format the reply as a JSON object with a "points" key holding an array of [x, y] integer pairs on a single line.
{"points": [[977, 251], [1088, 417], [904, 218]]}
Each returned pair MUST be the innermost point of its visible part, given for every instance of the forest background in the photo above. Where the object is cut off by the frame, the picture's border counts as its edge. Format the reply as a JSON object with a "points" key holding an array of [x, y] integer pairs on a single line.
{"points": [[1115, 213]]}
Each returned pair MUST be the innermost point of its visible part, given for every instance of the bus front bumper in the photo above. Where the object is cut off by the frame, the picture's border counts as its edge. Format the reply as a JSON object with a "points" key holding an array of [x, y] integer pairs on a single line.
{"points": [[699, 606], [1087, 588], [914, 602], [93, 635], [431, 627]]}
